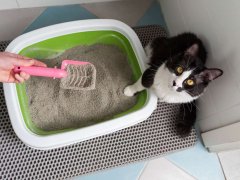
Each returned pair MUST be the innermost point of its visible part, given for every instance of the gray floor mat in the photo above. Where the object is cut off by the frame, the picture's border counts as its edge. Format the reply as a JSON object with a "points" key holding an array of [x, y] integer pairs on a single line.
{"points": [[154, 137]]}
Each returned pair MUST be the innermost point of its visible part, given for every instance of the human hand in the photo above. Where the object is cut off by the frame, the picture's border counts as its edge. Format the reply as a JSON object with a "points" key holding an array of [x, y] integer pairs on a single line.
{"points": [[9, 60]]}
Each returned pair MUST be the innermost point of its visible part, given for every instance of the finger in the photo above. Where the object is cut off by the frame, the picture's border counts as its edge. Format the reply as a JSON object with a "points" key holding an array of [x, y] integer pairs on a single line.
{"points": [[12, 78], [18, 60], [19, 78], [7, 77], [22, 62], [24, 75], [36, 62], [39, 63], [16, 56], [31, 62]]}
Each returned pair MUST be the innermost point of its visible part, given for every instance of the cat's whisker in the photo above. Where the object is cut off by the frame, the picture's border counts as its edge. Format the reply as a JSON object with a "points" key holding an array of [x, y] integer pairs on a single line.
{"points": [[189, 108], [154, 70], [191, 105], [188, 62], [190, 93], [183, 111], [193, 95], [195, 106], [200, 95], [154, 65], [202, 99]]}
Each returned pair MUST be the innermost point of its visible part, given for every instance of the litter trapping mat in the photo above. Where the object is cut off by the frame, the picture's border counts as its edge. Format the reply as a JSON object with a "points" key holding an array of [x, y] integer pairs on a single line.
{"points": [[153, 137]]}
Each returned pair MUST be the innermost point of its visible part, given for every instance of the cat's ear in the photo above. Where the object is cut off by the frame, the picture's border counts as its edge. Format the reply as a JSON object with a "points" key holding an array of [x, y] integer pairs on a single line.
{"points": [[193, 50], [211, 74]]}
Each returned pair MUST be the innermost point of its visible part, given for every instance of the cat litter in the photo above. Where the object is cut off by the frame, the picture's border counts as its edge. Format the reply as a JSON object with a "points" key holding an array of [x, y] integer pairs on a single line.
{"points": [[54, 108]]}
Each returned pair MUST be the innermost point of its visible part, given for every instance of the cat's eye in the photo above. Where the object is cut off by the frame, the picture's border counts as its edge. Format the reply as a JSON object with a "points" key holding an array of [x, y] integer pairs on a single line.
{"points": [[179, 70], [190, 82]]}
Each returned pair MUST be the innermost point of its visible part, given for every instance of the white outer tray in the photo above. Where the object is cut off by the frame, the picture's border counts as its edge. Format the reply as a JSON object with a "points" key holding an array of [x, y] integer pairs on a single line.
{"points": [[81, 134]]}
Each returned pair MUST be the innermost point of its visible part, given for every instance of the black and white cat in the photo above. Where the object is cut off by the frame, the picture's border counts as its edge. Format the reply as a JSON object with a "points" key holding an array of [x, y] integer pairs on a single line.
{"points": [[177, 74]]}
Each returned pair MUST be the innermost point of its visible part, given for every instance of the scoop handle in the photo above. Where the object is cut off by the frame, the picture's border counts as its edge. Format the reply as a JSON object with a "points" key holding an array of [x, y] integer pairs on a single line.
{"points": [[41, 71]]}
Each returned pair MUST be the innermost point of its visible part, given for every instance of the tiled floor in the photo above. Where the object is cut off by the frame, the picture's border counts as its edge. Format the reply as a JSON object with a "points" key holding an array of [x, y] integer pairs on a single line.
{"points": [[161, 168], [121, 10], [230, 162], [198, 162], [129, 172], [193, 163]]}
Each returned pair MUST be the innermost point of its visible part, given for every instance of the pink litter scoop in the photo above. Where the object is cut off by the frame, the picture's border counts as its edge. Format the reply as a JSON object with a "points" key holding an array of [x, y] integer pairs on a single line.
{"points": [[76, 75]]}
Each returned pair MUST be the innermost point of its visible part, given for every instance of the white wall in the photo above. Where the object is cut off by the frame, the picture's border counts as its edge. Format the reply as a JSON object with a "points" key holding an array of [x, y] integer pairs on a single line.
{"points": [[16, 15], [13, 22], [17, 4], [217, 22]]}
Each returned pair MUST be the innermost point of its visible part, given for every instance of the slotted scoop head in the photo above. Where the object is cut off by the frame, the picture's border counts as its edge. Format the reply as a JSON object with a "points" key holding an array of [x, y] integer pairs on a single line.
{"points": [[79, 77], [75, 75]]}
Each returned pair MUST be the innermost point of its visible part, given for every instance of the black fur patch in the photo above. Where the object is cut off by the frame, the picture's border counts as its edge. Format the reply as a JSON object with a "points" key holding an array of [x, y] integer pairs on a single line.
{"points": [[184, 125], [163, 49], [148, 77], [186, 51]]}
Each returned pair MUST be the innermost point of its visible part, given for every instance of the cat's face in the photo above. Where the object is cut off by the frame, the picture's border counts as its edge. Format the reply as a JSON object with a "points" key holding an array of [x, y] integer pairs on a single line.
{"points": [[188, 75]]}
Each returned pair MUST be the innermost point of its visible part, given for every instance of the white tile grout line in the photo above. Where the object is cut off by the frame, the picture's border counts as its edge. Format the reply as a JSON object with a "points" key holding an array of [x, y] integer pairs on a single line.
{"points": [[221, 166], [181, 169], [146, 10], [34, 19], [142, 171], [146, 164], [147, 160]]}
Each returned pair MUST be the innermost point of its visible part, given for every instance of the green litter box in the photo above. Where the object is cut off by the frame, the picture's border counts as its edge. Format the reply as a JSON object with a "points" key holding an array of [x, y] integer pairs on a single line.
{"points": [[51, 41]]}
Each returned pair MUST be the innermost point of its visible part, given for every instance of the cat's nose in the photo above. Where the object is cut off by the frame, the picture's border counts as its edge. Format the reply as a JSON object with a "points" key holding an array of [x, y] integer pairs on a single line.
{"points": [[174, 83], [179, 89]]}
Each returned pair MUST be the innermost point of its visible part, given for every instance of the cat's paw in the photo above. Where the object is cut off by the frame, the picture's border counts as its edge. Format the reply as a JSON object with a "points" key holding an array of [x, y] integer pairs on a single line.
{"points": [[128, 91], [183, 130]]}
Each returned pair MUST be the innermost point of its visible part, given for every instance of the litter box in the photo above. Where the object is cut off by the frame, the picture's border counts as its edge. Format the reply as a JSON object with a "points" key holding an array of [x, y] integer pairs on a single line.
{"points": [[49, 42]]}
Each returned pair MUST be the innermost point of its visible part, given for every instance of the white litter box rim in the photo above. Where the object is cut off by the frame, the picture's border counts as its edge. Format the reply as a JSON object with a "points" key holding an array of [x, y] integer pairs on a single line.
{"points": [[70, 137]]}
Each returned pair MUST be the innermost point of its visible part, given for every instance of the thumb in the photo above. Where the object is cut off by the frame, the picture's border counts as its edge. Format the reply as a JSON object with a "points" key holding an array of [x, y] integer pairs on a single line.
{"points": [[23, 62]]}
